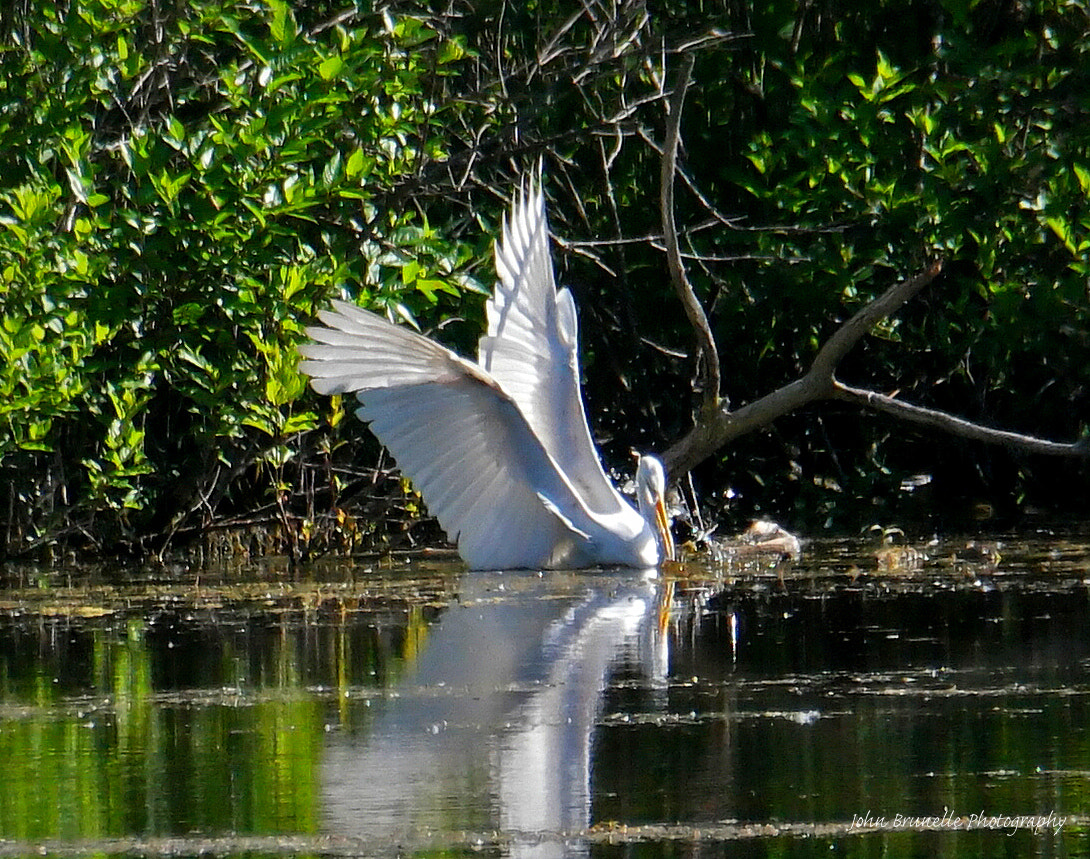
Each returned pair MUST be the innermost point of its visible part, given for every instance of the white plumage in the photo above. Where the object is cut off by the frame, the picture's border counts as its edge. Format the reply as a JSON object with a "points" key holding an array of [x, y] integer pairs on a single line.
{"points": [[500, 450]]}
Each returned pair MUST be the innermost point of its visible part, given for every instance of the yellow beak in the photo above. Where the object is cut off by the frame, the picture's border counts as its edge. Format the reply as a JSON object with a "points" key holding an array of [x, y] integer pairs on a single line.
{"points": [[662, 522]]}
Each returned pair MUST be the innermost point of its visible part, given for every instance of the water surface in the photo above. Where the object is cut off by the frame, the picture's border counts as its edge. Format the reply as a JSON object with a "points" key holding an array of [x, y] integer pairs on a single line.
{"points": [[849, 702]]}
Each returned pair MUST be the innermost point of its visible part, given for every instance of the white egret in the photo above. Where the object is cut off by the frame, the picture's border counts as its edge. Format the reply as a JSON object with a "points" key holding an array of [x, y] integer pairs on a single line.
{"points": [[500, 450]]}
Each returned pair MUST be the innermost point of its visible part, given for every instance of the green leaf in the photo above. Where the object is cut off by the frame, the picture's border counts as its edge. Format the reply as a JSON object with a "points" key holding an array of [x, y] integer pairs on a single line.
{"points": [[451, 51], [282, 27], [330, 68], [354, 166], [333, 169], [302, 422], [1082, 174], [1062, 228]]}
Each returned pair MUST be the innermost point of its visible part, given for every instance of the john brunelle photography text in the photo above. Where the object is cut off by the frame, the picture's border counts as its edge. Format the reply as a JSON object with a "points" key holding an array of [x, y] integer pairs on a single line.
{"points": [[1037, 823]]}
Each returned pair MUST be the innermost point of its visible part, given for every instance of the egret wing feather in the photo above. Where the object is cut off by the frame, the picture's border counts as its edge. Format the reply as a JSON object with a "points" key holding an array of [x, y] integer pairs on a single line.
{"points": [[531, 349], [460, 438]]}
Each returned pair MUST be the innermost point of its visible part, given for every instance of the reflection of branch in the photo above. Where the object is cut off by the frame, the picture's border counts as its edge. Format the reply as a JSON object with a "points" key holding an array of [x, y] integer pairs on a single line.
{"points": [[716, 428], [693, 309]]}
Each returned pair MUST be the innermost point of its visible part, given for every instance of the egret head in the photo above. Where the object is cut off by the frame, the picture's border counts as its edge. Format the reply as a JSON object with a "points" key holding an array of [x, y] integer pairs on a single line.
{"points": [[651, 497]]}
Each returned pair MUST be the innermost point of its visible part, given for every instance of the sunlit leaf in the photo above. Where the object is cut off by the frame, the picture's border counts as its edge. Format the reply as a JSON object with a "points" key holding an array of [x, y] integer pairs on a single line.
{"points": [[330, 68]]}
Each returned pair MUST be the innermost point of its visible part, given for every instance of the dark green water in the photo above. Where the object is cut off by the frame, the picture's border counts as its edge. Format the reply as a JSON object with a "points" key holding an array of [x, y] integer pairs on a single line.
{"points": [[754, 709]]}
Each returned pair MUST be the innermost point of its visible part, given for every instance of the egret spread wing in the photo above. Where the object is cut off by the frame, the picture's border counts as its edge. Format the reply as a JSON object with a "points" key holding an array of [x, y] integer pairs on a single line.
{"points": [[457, 435], [531, 349]]}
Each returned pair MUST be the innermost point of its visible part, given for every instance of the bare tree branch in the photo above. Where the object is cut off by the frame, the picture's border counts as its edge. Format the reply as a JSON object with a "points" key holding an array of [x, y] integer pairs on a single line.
{"points": [[717, 428], [693, 309], [954, 425]]}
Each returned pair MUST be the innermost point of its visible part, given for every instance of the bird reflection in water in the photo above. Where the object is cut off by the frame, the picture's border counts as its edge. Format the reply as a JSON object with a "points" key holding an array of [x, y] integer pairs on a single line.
{"points": [[495, 721]]}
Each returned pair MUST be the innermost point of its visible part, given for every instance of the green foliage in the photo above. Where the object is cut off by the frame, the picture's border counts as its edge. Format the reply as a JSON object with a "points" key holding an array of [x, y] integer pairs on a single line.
{"points": [[186, 184], [183, 188]]}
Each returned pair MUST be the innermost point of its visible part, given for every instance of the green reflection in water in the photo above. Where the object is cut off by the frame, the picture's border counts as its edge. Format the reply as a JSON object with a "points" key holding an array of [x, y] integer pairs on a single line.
{"points": [[118, 759], [192, 714]]}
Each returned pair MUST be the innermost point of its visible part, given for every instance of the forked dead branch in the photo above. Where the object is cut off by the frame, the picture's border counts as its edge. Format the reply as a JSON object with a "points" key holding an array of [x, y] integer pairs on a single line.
{"points": [[716, 423]]}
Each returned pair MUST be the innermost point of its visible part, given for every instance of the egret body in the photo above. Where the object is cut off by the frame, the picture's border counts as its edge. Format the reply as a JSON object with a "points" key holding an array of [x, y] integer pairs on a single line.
{"points": [[499, 449]]}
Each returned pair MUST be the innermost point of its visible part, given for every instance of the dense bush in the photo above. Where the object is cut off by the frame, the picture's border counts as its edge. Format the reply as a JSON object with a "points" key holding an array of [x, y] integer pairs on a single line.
{"points": [[182, 189], [186, 183]]}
